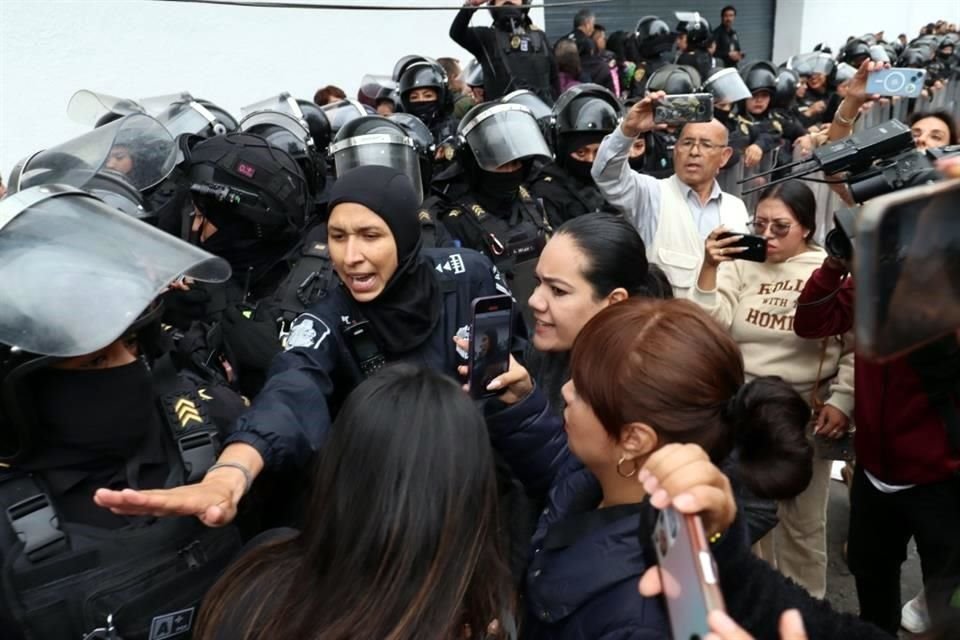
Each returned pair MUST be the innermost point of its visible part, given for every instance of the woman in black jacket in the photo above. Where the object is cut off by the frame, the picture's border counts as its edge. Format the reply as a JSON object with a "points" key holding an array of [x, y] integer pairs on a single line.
{"points": [[648, 373]]}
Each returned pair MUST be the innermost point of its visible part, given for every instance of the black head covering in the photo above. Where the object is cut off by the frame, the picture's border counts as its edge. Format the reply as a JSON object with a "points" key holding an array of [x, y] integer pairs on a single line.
{"points": [[407, 310]]}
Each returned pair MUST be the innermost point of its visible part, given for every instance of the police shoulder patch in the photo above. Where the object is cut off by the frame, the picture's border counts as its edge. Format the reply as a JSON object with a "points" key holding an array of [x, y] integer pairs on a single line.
{"points": [[307, 331], [639, 74]]}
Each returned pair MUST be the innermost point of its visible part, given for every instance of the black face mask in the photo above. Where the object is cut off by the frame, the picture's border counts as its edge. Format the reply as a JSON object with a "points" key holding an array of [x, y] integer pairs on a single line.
{"points": [[246, 254], [580, 171], [638, 163], [427, 112], [499, 188], [96, 413], [506, 14]]}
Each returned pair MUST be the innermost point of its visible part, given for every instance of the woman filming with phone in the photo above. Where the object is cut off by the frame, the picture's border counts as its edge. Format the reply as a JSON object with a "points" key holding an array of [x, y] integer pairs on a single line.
{"points": [[756, 302], [657, 396]]}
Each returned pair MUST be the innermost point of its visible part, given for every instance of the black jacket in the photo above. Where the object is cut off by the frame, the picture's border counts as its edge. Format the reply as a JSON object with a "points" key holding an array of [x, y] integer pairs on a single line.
{"points": [[565, 197], [727, 41], [584, 568]]}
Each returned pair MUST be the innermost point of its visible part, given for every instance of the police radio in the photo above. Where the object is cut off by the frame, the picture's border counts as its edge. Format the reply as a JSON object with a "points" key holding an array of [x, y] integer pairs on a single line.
{"points": [[363, 347]]}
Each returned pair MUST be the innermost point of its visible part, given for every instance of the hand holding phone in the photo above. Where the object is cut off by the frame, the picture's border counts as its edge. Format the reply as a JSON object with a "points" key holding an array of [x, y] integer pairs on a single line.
{"points": [[683, 108], [688, 573], [490, 338], [753, 248], [897, 81]]}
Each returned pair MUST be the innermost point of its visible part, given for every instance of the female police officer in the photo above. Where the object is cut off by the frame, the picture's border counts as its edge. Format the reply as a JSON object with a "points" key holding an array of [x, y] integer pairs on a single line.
{"points": [[393, 302]]}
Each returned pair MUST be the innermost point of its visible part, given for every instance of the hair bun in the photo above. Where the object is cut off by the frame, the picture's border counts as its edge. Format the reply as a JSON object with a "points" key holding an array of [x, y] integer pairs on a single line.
{"points": [[769, 421]]}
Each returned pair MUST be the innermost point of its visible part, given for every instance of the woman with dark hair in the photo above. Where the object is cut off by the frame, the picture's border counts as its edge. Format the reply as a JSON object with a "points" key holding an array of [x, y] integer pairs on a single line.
{"points": [[568, 64], [654, 379], [756, 302], [328, 94], [933, 129], [591, 262], [400, 535]]}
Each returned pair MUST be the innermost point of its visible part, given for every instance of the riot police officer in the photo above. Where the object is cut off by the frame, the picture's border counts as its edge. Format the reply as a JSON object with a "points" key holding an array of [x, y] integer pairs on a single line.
{"points": [[393, 301], [425, 93], [654, 45], [582, 118], [91, 400], [250, 209], [696, 55], [490, 210], [513, 52], [757, 133], [820, 101]]}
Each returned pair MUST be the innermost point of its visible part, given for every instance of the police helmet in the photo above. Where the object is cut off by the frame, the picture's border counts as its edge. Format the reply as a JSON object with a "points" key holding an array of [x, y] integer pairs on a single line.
{"points": [[425, 75], [855, 52], [587, 108], [879, 53], [912, 58], [760, 76], [405, 62], [377, 140], [498, 133], [823, 47], [317, 124], [674, 79], [473, 74], [786, 91], [698, 31], [291, 135], [182, 114], [654, 36], [242, 177], [531, 101], [726, 86], [340, 113], [386, 94]]}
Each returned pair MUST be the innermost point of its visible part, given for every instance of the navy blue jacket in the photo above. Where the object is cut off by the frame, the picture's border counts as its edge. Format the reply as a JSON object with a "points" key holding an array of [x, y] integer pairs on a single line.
{"points": [[307, 383], [585, 564]]}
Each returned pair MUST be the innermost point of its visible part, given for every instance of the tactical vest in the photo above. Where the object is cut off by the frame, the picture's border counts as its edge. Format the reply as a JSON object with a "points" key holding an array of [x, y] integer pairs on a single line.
{"points": [[568, 199], [521, 61], [69, 580]]}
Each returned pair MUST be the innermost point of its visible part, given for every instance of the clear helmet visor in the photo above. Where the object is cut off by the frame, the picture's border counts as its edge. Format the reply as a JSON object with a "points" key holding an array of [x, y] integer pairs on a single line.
{"points": [[280, 130], [372, 85], [379, 149], [727, 86], [282, 103], [89, 108], [503, 134], [78, 272], [135, 148]]}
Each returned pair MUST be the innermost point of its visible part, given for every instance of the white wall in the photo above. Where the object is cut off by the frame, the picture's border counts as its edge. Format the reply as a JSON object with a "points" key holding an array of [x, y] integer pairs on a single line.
{"points": [[230, 55], [808, 22]]}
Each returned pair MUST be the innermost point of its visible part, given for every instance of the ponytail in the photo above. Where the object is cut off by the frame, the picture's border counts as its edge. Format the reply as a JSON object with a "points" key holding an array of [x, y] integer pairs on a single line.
{"points": [[768, 419]]}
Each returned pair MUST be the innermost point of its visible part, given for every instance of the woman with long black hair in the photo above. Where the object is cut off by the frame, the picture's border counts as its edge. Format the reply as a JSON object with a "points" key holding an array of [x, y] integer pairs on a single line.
{"points": [[400, 536]]}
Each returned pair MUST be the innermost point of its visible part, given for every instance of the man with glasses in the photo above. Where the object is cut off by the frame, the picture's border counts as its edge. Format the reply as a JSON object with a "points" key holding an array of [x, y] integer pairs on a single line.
{"points": [[674, 215]]}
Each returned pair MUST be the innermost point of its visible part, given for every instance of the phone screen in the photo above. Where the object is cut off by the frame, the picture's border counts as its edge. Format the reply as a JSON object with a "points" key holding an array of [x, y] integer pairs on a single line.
{"points": [[687, 573], [907, 267], [490, 338]]}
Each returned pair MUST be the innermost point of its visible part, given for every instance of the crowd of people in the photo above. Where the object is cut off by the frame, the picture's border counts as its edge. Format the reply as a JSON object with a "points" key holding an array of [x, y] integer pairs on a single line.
{"points": [[260, 427]]}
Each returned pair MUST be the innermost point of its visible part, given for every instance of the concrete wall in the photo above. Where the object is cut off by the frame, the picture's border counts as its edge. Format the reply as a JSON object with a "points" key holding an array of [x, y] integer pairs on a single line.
{"points": [[230, 55]]}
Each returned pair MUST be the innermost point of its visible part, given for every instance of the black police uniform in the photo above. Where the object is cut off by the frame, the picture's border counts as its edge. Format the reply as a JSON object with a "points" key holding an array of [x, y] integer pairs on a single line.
{"points": [[68, 565], [512, 57], [830, 98], [309, 381], [727, 41], [564, 197], [645, 69]]}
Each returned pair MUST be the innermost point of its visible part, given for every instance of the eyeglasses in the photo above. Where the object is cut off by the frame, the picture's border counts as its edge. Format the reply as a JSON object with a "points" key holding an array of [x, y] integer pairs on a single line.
{"points": [[687, 144], [779, 229]]}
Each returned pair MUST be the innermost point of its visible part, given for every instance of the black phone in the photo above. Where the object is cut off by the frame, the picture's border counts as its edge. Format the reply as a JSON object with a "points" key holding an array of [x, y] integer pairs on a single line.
{"points": [[756, 246], [491, 332], [684, 107], [688, 574], [364, 349]]}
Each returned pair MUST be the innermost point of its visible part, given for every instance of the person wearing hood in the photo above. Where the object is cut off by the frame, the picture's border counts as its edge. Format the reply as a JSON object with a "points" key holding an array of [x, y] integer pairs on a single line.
{"points": [[583, 116], [756, 303], [514, 53], [394, 301]]}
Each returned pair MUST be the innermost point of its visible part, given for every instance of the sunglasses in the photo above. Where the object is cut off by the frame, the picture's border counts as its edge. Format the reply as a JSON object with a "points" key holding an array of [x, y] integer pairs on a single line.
{"points": [[778, 229]]}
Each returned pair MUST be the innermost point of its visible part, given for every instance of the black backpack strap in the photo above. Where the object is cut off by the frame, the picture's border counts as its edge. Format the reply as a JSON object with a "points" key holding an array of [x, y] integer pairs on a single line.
{"points": [[194, 433], [30, 516]]}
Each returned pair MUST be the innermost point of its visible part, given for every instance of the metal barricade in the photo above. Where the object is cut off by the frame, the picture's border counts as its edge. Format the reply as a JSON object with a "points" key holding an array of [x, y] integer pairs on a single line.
{"points": [[739, 178]]}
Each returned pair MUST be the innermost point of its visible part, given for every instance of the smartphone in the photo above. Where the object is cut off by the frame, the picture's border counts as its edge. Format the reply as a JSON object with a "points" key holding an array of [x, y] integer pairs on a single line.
{"points": [[688, 574], [364, 348], [907, 269], [684, 107], [756, 246], [490, 337], [897, 81]]}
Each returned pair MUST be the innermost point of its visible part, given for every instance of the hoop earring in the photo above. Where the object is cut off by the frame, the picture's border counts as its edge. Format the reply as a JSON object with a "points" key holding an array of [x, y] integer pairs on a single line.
{"points": [[626, 475]]}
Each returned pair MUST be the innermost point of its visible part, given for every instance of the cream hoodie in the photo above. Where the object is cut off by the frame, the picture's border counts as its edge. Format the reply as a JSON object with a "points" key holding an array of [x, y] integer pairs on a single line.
{"points": [[756, 302]]}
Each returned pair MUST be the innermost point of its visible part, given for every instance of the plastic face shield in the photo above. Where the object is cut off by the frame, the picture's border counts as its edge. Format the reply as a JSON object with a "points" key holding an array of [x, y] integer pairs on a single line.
{"points": [[505, 133]]}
